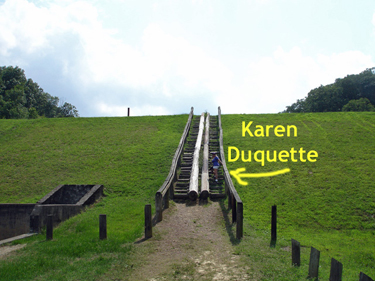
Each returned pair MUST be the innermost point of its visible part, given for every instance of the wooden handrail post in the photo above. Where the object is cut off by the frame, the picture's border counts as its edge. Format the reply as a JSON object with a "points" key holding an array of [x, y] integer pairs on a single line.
{"points": [[234, 210], [239, 225], [148, 221], [159, 206]]}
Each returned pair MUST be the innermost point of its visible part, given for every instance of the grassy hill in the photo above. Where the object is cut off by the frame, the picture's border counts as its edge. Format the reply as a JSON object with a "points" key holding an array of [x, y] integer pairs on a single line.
{"points": [[328, 204], [131, 157]]}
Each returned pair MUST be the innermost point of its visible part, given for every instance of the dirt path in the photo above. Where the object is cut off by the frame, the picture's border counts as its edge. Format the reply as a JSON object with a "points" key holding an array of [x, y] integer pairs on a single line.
{"points": [[189, 244]]}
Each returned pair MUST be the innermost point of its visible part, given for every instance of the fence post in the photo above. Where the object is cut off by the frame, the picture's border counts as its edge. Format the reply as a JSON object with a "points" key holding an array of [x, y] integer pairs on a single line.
{"points": [[49, 233], [336, 270], [159, 206], [166, 200], [314, 263], [364, 277], [296, 253], [229, 200], [239, 224], [148, 222], [274, 226], [234, 209], [102, 227]]}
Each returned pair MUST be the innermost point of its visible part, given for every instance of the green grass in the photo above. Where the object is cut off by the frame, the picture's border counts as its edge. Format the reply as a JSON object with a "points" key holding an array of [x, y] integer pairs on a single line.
{"points": [[131, 157], [327, 204]]}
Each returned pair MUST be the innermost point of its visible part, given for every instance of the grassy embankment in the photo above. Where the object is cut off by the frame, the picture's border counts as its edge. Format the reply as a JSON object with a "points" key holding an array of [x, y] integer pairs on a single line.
{"points": [[327, 204], [131, 157]]}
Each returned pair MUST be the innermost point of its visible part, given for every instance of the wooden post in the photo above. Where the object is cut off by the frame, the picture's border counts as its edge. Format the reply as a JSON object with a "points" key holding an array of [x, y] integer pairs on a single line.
{"points": [[102, 227], [239, 225], [229, 200], [364, 277], [234, 209], [148, 221], [166, 200], [336, 270], [273, 226], [159, 206], [314, 263], [296, 253], [128, 111], [49, 234]]}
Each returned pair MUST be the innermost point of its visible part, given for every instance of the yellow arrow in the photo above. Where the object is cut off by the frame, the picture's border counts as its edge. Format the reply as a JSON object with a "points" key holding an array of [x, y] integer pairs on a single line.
{"points": [[236, 174]]}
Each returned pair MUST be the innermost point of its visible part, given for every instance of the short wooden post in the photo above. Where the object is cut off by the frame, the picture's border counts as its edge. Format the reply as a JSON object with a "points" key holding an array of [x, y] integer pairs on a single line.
{"points": [[296, 253], [159, 206], [314, 263], [336, 270], [239, 224], [49, 234], [128, 111], [274, 226], [364, 277], [229, 200], [234, 209], [102, 227], [166, 200], [148, 221]]}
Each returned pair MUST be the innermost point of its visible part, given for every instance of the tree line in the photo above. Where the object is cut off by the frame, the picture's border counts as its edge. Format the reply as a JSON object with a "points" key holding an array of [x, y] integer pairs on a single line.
{"points": [[22, 98], [355, 92]]}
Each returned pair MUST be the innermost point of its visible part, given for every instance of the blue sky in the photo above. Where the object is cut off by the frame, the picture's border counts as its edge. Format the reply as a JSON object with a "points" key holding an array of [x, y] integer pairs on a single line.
{"points": [[162, 57]]}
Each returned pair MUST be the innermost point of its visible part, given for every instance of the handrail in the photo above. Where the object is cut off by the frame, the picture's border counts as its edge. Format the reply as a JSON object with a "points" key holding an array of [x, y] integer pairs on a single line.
{"points": [[160, 194], [234, 200]]}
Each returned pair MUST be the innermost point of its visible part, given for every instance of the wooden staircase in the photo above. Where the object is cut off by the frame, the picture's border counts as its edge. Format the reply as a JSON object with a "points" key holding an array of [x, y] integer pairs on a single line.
{"points": [[181, 186], [217, 189]]}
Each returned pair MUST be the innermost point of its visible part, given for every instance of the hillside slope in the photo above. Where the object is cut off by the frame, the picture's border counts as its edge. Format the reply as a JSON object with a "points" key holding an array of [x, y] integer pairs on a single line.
{"points": [[131, 157], [327, 204]]}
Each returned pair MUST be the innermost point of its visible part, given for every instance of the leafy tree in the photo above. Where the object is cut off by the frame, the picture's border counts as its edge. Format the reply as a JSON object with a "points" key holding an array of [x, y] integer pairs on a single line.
{"points": [[362, 104], [23, 98], [335, 96], [67, 110]]}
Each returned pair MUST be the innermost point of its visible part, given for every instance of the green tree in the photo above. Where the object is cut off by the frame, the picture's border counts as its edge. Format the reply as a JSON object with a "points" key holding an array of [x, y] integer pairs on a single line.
{"points": [[335, 96], [23, 98], [362, 104], [67, 110]]}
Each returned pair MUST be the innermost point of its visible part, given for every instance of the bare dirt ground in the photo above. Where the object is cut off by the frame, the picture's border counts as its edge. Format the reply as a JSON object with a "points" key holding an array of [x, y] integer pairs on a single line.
{"points": [[191, 243], [7, 250]]}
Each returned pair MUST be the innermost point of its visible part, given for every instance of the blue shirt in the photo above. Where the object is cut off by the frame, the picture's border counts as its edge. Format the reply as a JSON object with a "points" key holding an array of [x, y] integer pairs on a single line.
{"points": [[215, 161]]}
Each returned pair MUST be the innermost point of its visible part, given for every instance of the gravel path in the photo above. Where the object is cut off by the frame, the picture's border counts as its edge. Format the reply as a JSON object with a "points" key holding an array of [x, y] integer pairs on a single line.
{"points": [[189, 244]]}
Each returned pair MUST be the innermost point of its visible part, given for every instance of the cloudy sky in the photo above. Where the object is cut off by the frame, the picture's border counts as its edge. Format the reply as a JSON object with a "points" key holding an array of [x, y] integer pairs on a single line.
{"points": [[162, 57]]}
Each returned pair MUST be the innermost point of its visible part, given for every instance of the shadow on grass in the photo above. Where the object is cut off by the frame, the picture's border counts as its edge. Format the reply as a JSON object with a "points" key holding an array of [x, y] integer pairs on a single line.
{"points": [[229, 226]]}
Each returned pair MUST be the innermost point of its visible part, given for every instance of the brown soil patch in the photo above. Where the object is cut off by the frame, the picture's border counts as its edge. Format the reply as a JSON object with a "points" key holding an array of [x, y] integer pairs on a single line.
{"points": [[189, 244], [6, 250]]}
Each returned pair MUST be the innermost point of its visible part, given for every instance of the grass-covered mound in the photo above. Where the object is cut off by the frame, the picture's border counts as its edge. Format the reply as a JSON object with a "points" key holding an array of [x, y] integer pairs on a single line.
{"points": [[328, 204], [131, 157]]}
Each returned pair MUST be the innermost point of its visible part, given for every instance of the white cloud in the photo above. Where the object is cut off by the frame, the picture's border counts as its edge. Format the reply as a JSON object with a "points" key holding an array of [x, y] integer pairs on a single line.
{"points": [[161, 70], [279, 80]]}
